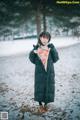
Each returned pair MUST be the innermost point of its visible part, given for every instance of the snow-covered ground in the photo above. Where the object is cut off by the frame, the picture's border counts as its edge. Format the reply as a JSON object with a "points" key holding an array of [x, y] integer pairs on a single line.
{"points": [[8, 48], [17, 86]]}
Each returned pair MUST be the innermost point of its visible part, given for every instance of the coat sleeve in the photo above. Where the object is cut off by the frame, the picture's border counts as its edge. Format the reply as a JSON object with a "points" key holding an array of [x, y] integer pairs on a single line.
{"points": [[32, 56], [54, 53]]}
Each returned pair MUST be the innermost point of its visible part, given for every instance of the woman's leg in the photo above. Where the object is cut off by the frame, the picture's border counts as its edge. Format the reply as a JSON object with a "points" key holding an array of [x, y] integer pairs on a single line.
{"points": [[41, 108], [40, 103], [45, 103]]}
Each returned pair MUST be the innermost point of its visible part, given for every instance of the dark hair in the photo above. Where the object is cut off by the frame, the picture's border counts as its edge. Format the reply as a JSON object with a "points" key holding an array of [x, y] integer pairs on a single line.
{"points": [[44, 34]]}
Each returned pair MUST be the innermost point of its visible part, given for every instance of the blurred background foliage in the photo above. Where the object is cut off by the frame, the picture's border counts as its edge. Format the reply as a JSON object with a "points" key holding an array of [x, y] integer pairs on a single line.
{"points": [[27, 18]]}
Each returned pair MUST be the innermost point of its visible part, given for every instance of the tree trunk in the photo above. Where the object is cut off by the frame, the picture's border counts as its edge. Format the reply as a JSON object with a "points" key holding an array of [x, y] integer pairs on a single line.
{"points": [[38, 21], [44, 22]]}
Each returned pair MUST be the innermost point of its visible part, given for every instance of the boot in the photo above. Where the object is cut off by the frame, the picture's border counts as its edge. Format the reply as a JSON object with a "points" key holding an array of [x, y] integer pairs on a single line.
{"points": [[41, 109], [46, 108]]}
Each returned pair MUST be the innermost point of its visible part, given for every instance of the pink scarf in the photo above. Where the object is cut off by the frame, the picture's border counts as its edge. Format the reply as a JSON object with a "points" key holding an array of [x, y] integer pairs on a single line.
{"points": [[43, 54]]}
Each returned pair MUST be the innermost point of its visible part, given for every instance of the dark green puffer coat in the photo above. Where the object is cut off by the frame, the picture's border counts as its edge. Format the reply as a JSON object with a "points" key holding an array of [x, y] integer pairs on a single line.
{"points": [[44, 85]]}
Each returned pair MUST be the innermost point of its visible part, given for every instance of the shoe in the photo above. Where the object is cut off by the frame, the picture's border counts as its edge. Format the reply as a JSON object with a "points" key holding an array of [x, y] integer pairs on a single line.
{"points": [[41, 109], [45, 108]]}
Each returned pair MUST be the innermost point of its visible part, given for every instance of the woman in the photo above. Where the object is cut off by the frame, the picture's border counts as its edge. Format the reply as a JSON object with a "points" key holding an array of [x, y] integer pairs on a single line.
{"points": [[43, 56]]}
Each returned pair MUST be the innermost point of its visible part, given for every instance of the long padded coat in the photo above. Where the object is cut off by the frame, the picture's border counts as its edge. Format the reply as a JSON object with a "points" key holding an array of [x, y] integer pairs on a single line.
{"points": [[44, 84]]}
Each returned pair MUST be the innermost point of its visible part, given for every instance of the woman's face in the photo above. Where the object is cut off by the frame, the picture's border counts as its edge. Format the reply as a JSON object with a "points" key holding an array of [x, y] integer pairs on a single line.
{"points": [[44, 40]]}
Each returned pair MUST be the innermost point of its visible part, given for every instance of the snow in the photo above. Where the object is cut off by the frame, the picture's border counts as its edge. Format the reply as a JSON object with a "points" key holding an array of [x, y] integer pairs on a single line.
{"points": [[8, 48], [17, 86]]}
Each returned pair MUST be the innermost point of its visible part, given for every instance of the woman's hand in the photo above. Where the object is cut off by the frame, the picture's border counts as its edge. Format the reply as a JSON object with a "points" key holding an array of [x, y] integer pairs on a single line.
{"points": [[35, 51]]}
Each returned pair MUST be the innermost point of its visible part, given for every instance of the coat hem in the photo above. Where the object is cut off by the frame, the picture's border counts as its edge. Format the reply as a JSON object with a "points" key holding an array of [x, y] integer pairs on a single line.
{"points": [[43, 101]]}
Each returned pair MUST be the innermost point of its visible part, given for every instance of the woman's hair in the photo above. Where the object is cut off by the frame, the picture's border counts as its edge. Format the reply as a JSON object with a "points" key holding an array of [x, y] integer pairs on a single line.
{"points": [[44, 34]]}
